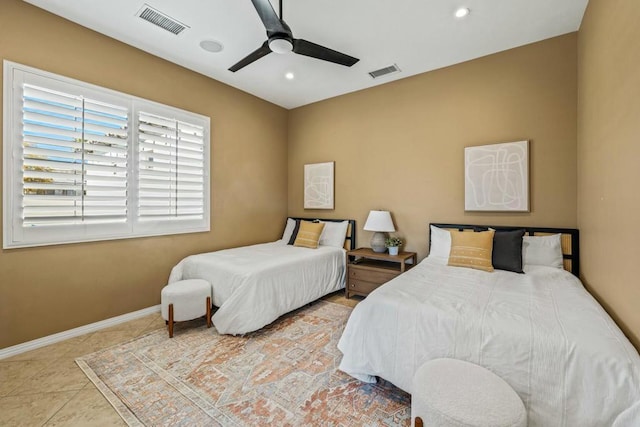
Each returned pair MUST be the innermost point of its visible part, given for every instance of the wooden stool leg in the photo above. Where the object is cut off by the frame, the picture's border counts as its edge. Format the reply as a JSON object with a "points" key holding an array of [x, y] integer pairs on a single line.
{"points": [[170, 320], [418, 422], [208, 312]]}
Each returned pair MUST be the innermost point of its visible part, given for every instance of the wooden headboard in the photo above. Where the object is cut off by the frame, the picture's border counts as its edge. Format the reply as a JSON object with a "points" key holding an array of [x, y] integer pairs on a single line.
{"points": [[570, 240], [349, 240]]}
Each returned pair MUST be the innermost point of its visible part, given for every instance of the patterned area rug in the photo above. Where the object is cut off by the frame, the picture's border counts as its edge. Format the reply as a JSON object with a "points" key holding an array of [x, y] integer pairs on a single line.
{"points": [[286, 374]]}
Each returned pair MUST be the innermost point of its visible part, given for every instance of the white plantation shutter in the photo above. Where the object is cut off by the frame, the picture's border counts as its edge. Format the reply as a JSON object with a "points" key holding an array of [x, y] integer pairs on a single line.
{"points": [[106, 156], [85, 163], [171, 168], [74, 159]]}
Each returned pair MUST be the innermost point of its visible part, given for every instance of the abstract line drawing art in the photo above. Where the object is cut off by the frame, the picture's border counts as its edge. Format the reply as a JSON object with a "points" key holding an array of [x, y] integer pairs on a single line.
{"points": [[318, 186], [496, 177]]}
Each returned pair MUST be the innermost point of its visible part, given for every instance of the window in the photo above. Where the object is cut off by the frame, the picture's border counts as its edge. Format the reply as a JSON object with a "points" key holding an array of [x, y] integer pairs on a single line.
{"points": [[84, 163]]}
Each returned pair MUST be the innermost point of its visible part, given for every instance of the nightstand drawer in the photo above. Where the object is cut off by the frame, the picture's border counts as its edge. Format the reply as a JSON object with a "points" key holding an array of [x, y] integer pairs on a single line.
{"points": [[368, 275], [362, 287]]}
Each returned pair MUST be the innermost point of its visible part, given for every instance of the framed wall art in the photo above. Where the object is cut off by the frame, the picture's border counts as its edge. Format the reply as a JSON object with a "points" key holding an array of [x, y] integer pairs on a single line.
{"points": [[496, 177], [318, 185]]}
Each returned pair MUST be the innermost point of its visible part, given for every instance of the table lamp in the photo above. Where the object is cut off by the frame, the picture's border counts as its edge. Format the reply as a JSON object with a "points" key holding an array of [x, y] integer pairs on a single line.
{"points": [[381, 223]]}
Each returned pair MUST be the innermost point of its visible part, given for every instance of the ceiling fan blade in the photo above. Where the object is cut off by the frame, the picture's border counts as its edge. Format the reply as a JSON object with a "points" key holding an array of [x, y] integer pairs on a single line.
{"points": [[269, 17], [313, 50], [252, 57]]}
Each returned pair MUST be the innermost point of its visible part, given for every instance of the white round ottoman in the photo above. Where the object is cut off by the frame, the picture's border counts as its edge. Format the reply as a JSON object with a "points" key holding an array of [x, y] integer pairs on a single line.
{"points": [[455, 393], [186, 300]]}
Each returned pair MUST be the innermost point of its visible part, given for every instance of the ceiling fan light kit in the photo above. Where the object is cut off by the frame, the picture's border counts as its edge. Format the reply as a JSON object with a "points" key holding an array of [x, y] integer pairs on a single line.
{"points": [[280, 40], [280, 45]]}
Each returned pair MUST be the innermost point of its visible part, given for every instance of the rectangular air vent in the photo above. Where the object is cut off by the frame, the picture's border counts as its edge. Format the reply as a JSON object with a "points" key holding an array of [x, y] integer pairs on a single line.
{"points": [[384, 71], [163, 21]]}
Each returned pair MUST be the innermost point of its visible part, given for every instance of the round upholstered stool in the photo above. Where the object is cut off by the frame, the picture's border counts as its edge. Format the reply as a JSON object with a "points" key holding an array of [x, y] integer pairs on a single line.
{"points": [[186, 300], [454, 393]]}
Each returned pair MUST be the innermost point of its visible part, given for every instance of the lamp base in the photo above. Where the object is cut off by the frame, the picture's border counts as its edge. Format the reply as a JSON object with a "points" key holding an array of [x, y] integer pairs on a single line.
{"points": [[377, 242]]}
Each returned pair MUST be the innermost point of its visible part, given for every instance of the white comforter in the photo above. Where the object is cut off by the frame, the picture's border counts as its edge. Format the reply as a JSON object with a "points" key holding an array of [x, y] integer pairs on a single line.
{"points": [[542, 332], [254, 285]]}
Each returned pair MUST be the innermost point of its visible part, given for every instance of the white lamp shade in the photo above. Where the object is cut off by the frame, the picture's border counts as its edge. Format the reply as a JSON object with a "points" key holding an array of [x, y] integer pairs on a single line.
{"points": [[379, 221]]}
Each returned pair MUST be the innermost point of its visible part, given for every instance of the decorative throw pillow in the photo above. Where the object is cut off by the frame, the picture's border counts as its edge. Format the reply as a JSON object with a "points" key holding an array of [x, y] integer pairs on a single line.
{"points": [[294, 233], [288, 230], [440, 245], [471, 250], [309, 234], [542, 250], [334, 233], [507, 250]]}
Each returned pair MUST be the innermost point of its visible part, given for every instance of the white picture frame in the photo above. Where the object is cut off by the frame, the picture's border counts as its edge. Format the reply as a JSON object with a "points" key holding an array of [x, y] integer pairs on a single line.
{"points": [[319, 185], [496, 177]]}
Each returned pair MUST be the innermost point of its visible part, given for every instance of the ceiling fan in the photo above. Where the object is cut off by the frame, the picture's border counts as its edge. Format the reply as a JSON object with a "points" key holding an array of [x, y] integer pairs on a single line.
{"points": [[280, 40]]}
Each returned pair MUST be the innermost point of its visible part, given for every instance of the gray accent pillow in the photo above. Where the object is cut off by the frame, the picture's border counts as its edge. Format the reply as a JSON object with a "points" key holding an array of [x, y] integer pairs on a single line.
{"points": [[507, 250]]}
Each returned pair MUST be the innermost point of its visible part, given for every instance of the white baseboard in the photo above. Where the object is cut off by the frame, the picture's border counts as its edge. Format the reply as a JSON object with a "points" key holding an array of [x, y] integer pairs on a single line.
{"points": [[75, 332]]}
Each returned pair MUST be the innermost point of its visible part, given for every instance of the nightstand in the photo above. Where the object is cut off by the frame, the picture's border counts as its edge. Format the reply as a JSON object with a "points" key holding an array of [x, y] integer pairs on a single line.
{"points": [[368, 270]]}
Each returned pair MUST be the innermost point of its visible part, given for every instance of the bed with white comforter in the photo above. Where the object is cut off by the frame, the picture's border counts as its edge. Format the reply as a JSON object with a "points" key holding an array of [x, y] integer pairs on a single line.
{"points": [[254, 285], [542, 332]]}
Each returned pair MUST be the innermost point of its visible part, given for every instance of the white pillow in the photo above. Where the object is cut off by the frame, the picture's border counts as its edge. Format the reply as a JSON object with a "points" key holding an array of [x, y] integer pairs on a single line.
{"points": [[542, 250], [440, 245], [288, 230], [334, 233]]}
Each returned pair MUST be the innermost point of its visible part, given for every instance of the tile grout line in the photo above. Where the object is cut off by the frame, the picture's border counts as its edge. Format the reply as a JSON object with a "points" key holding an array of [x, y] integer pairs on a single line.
{"points": [[60, 408]]}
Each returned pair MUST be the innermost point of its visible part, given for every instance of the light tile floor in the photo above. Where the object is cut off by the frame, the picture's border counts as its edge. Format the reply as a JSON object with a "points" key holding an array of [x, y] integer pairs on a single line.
{"points": [[45, 387]]}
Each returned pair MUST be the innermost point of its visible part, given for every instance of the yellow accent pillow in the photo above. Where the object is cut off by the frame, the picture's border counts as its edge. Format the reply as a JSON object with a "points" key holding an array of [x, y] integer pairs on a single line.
{"points": [[472, 250], [309, 234]]}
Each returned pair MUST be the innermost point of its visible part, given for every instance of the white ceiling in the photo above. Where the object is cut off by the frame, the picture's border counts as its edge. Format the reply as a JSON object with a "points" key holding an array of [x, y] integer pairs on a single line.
{"points": [[417, 35]]}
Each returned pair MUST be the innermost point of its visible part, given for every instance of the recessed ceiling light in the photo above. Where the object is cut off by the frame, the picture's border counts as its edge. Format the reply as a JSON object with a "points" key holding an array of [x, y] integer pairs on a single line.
{"points": [[289, 76], [211, 46], [462, 12]]}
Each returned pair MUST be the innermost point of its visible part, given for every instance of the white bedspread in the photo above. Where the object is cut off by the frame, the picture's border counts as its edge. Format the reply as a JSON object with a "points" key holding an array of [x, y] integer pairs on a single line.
{"points": [[254, 285], [542, 332]]}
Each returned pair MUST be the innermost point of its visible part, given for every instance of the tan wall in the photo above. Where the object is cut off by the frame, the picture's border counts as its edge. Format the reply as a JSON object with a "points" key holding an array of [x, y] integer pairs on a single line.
{"points": [[400, 146], [56, 288], [608, 156]]}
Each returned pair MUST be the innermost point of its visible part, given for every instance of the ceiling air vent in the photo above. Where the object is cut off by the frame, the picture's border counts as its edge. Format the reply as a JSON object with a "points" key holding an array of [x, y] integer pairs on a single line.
{"points": [[158, 18], [384, 71]]}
